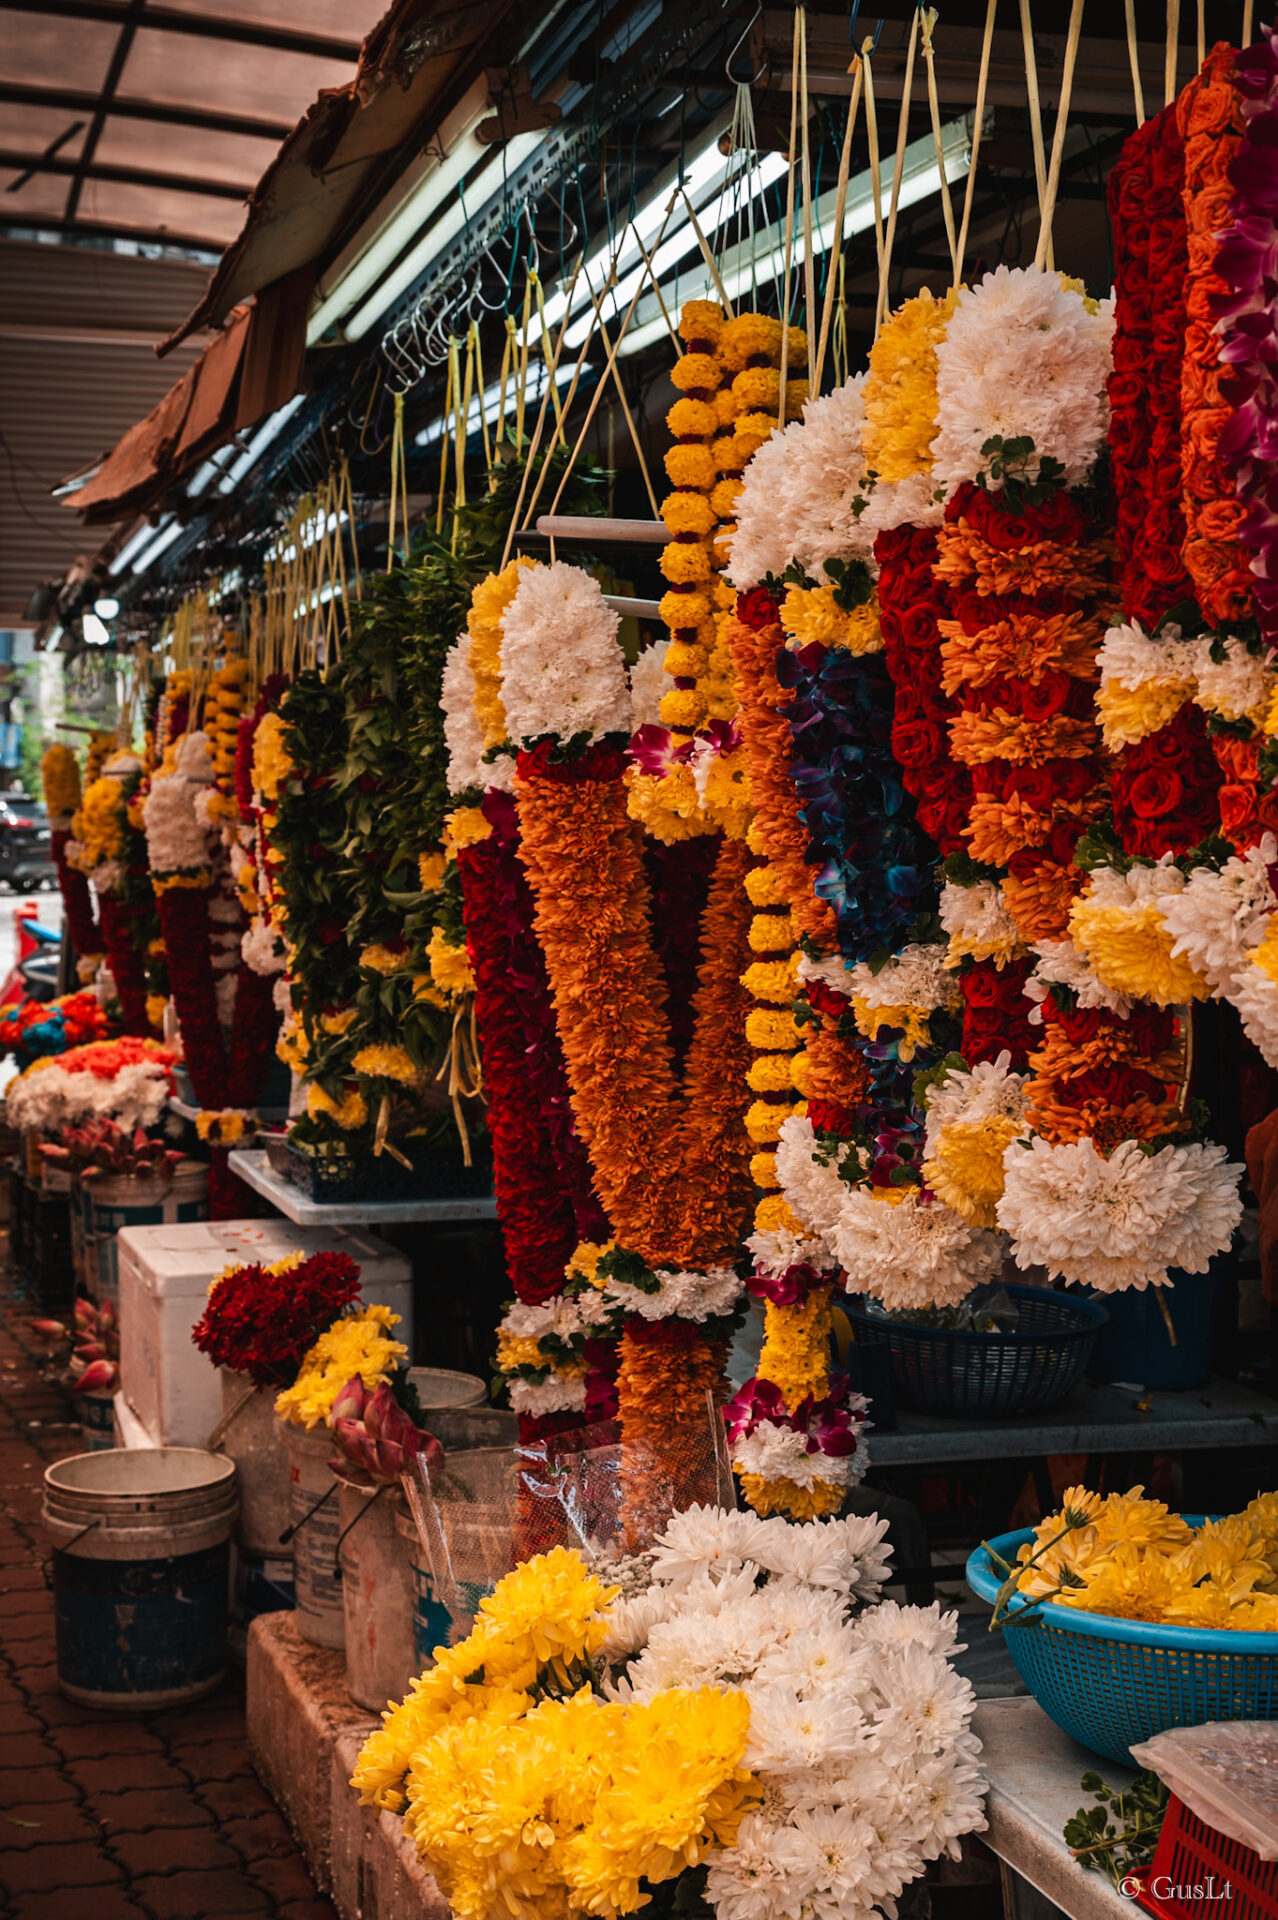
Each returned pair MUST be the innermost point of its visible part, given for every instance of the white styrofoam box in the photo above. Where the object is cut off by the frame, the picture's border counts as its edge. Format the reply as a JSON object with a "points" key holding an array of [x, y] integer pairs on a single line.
{"points": [[129, 1431], [165, 1273]]}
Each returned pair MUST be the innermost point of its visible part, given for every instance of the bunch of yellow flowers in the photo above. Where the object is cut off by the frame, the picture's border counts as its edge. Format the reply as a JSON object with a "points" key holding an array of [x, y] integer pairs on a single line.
{"points": [[356, 1344], [1132, 1558], [527, 1793]]}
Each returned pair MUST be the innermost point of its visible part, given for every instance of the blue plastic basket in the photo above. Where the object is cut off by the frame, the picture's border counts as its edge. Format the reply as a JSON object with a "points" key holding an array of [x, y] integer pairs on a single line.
{"points": [[1110, 1683], [969, 1375]]}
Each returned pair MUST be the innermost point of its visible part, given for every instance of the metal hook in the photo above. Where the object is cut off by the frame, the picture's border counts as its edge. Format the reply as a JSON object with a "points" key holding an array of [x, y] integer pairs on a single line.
{"points": [[727, 65], [878, 31], [534, 249]]}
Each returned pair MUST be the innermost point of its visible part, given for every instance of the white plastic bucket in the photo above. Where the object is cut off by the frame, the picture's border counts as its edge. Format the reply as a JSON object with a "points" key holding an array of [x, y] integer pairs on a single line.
{"points": [[249, 1434], [377, 1595], [315, 1511], [116, 1204], [140, 1574], [441, 1387]]}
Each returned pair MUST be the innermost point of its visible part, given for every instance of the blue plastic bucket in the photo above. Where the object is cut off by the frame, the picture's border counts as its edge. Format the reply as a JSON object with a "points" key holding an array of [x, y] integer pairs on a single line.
{"points": [[97, 1421], [431, 1618], [140, 1574], [263, 1584], [1136, 1347]]}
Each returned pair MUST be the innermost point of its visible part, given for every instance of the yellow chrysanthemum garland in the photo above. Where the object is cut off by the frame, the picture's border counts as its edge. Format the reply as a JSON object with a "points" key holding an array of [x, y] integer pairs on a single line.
{"points": [[60, 775], [730, 391], [356, 1344], [900, 388], [522, 1799], [489, 604]]}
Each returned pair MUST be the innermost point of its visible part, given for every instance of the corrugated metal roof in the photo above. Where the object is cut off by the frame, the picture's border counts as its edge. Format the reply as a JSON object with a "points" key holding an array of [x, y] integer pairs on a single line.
{"points": [[76, 368]]}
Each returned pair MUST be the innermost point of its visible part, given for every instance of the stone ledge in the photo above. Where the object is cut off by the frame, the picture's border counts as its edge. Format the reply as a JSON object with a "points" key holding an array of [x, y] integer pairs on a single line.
{"points": [[304, 1732]]}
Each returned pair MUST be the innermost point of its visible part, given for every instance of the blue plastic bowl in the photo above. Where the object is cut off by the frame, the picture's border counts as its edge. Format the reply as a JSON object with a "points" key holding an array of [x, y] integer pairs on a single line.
{"points": [[1111, 1683]]}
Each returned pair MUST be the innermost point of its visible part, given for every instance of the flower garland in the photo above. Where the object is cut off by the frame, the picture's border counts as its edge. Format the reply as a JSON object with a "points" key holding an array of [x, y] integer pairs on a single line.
{"points": [[1209, 118], [60, 777], [128, 1080], [668, 1163], [1147, 219], [106, 846]]}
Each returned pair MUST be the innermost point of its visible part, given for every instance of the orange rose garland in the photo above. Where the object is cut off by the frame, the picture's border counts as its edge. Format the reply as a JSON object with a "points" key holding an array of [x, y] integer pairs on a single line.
{"points": [[1210, 122]]}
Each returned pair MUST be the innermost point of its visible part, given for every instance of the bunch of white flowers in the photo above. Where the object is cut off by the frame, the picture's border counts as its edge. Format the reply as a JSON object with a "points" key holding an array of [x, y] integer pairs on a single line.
{"points": [[562, 672], [859, 1726], [801, 498]]}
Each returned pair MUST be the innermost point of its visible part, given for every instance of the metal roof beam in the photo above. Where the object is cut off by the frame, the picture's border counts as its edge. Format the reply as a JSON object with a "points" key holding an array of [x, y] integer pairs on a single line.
{"points": [[110, 81], [73, 100], [202, 26], [89, 232], [123, 176]]}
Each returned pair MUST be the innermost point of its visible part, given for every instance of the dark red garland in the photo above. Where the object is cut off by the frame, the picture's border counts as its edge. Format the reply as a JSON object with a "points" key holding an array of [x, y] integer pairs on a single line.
{"points": [[910, 604], [1166, 789], [127, 963], [679, 877], [77, 898], [184, 921], [996, 1012], [1147, 219]]}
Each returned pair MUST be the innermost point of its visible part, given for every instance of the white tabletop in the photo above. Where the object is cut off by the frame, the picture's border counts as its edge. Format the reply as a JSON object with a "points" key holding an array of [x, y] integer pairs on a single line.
{"points": [[255, 1171]]}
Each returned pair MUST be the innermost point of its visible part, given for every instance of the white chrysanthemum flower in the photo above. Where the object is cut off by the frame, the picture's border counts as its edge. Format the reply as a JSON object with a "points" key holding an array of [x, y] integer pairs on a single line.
{"points": [[781, 1453], [648, 681], [841, 1555], [775, 1253], [713, 1539], [987, 1091], [910, 1255], [788, 1733], [174, 837], [892, 1625], [563, 1315], [832, 970], [561, 1393], [1239, 687], [918, 501], [978, 923], [1118, 1222], [630, 1622], [1255, 994], [1133, 658], [562, 672], [51, 1097], [681, 1295], [1221, 916], [950, 1802], [747, 1881], [1060, 964], [463, 735], [928, 1704], [917, 976], [262, 948], [1023, 356], [813, 1191], [799, 495]]}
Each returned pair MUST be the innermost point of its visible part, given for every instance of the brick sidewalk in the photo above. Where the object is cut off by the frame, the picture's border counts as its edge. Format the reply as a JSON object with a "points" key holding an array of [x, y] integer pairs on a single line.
{"points": [[104, 1817]]}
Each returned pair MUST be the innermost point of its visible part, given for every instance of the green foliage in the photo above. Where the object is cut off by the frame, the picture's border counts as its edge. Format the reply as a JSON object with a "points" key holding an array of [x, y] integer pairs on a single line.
{"points": [[1118, 1835], [1011, 467]]}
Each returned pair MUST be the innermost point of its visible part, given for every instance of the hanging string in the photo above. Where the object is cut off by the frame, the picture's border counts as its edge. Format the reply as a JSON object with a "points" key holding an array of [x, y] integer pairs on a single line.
{"points": [[544, 343], [474, 346], [1036, 117], [449, 402], [1043, 250], [789, 216], [872, 138], [809, 261], [462, 429], [834, 269], [839, 340], [1171, 51], [1249, 22], [675, 341], [934, 108], [902, 132], [1202, 34], [507, 346], [397, 455], [1133, 56], [712, 265], [978, 125], [743, 138], [545, 403], [522, 387]]}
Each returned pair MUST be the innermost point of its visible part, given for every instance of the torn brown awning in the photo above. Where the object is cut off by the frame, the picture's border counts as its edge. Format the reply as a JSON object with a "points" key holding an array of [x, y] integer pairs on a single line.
{"points": [[251, 368]]}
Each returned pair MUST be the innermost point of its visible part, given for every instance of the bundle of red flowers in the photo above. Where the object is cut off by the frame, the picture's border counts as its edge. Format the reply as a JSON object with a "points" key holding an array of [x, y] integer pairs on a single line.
{"points": [[262, 1320]]}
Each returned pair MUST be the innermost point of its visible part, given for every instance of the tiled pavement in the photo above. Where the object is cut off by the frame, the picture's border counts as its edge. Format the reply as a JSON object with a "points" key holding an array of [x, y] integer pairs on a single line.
{"points": [[104, 1817]]}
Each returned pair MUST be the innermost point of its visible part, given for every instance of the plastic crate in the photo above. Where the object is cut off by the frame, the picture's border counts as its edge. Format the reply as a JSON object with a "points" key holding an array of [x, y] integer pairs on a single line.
{"points": [[1199, 1874], [1110, 1683], [983, 1375], [433, 1175]]}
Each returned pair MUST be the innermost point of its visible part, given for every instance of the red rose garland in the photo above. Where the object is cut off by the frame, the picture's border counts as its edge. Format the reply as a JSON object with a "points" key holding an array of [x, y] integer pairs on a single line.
{"points": [[77, 898], [911, 602], [125, 959], [1165, 790]]}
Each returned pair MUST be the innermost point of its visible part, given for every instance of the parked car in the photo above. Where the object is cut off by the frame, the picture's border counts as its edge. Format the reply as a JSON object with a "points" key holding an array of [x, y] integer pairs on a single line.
{"points": [[26, 848]]}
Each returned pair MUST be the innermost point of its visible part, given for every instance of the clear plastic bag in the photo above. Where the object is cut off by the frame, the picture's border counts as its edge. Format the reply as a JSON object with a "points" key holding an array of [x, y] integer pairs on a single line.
{"points": [[1225, 1771], [482, 1511]]}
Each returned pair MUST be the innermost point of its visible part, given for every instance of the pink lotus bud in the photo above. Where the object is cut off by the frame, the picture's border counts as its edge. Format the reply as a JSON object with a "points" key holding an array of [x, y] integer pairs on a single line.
{"points": [[85, 1312], [106, 1317], [49, 1329], [98, 1374], [90, 1350], [350, 1403]]}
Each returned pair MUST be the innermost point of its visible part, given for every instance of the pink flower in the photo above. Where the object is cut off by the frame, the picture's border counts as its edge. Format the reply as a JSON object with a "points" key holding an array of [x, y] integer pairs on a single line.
{"points": [[380, 1442], [654, 750]]}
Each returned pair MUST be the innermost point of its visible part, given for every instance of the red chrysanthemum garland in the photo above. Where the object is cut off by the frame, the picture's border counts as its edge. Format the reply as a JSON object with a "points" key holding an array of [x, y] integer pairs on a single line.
{"points": [[261, 1320]]}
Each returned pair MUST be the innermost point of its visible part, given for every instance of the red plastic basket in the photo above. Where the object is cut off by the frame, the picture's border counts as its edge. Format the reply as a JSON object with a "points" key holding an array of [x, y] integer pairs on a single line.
{"points": [[1199, 1874]]}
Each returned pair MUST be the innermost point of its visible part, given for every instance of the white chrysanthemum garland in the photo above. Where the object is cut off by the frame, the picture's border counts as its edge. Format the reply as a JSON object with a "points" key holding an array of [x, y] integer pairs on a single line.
{"points": [[859, 1726], [1118, 926], [46, 1096], [562, 672], [541, 1349], [1147, 678], [973, 1115], [802, 500], [1225, 924], [1025, 356]]}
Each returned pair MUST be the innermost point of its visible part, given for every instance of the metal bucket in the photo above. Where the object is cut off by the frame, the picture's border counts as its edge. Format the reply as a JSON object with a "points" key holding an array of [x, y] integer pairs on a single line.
{"points": [[113, 1204], [377, 1594], [249, 1434], [317, 1529], [140, 1574]]}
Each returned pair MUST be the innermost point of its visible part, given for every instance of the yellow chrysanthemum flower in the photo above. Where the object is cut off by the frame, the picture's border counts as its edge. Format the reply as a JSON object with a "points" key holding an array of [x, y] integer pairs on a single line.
{"points": [[489, 604], [350, 1112], [1128, 714], [966, 1171], [900, 388], [356, 1344], [449, 966], [382, 1062], [1130, 950], [272, 761]]}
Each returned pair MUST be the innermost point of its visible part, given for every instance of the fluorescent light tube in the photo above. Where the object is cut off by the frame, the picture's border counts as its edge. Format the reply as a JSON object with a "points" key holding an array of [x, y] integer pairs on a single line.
{"points": [[259, 443]]}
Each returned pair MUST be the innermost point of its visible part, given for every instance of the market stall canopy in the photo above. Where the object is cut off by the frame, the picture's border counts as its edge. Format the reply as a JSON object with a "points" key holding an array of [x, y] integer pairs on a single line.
{"points": [[412, 68], [252, 367], [148, 121]]}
